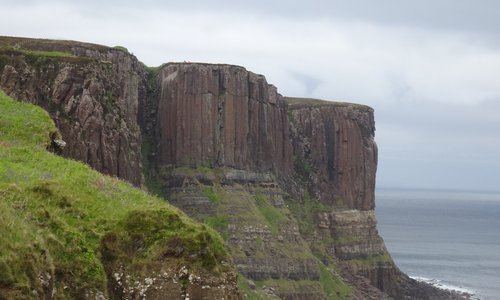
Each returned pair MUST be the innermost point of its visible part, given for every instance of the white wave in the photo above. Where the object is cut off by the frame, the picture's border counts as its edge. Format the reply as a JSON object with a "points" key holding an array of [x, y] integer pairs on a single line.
{"points": [[445, 286]]}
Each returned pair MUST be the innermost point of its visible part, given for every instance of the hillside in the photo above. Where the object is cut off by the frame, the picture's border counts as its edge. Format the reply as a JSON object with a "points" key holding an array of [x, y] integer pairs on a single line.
{"points": [[68, 231]]}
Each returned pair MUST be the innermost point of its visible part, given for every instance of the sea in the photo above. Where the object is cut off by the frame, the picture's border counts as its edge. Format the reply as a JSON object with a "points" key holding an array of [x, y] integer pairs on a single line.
{"points": [[450, 239]]}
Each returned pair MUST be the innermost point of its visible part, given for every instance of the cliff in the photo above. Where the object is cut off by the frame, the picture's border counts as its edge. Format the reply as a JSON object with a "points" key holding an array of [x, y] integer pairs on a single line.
{"points": [[288, 182], [90, 91], [220, 115]]}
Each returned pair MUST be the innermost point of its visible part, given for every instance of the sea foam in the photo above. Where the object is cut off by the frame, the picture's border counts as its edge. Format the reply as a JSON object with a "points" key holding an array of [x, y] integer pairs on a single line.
{"points": [[445, 286]]}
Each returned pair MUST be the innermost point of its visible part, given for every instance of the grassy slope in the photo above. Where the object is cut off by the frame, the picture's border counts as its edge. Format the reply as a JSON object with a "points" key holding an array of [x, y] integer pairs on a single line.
{"points": [[238, 206], [54, 213]]}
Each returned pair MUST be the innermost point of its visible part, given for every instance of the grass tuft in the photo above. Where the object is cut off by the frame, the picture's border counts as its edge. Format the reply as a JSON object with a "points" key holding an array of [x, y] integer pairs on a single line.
{"points": [[272, 214]]}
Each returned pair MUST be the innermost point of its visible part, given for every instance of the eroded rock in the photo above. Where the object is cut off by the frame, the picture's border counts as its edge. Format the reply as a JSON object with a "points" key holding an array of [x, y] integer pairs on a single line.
{"points": [[92, 94]]}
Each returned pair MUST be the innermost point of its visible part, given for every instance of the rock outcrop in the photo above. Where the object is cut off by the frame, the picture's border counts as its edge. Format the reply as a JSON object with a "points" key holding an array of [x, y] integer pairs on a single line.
{"points": [[90, 91], [334, 146]]}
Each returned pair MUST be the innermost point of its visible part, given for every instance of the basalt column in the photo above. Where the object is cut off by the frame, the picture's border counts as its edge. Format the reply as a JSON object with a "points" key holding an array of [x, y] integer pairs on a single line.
{"points": [[221, 115]]}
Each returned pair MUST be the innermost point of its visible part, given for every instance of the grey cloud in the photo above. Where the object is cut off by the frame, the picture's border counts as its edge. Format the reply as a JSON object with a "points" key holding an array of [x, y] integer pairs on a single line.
{"points": [[439, 146], [468, 15], [310, 82]]}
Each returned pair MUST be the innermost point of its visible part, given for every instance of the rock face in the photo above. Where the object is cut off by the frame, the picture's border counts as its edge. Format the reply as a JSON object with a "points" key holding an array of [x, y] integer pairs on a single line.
{"points": [[221, 115], [336, 160], [90, 91], [333, 143]]}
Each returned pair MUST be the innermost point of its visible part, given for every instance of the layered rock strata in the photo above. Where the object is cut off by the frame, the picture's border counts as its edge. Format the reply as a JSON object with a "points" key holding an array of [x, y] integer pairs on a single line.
{"points": [[336, 160], [90, 91], [248, 209]]}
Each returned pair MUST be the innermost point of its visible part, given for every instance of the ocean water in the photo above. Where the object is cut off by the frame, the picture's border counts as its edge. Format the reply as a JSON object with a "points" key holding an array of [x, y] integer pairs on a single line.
{"points": [[449, 238]]}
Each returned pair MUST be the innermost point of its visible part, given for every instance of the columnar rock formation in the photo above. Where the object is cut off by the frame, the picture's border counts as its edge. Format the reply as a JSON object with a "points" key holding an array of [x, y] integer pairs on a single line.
{"points": [[221, 115], [336, 141], [225, 116]]}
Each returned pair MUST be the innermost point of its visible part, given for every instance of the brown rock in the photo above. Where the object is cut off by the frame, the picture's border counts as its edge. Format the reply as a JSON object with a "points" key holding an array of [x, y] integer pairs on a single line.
{"points": [[92, 95], [333, 145], [221, 115]]}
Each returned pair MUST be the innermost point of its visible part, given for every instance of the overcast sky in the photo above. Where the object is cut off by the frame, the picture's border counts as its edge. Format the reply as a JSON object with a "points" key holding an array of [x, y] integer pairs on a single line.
{"points": [[429, 68]]}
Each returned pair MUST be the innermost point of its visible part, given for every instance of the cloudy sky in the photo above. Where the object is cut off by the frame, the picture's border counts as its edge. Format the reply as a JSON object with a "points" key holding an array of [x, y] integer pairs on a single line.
{"points": [[429, 68]]}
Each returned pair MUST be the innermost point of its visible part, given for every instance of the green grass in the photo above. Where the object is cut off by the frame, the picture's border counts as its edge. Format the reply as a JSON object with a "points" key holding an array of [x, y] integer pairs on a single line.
{"points": [[23, 124], [38, 53], [47, 53], [333, 286], [272, 215], [60, 218], [306, 211], [289, 286], [247, 292], [121, 48], [211, 194], [153, 182], [371, 261], [298, 103], [218, 223], [303, 168]]}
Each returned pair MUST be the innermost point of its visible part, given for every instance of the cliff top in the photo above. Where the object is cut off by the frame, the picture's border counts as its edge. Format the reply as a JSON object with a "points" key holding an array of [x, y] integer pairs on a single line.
{"points": [[298, 103], [187, 63], [53, 45]]}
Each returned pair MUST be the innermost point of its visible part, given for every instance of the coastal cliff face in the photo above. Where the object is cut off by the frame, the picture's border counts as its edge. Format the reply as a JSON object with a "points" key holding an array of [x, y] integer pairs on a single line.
{"points": [[255, 159], [91, 93], [336, 141], [336, 161], [288, 182], [221, 115]]}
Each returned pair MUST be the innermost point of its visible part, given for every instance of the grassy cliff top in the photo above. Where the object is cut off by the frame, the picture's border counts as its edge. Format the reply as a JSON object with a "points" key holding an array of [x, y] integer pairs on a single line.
{"points": [[64, 224], [298, 103], [48, 44]]}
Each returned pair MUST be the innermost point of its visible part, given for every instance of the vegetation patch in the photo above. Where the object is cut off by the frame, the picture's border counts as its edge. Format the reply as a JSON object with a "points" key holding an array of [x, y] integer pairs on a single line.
{"points": [[46, 53], [290, 286], [306, 212], [65, 226], [291, 117], [153, 182], [272, 215], [332, 285], [371, 261], [121, 48], [211, 194], [16, 129], [249, 293], [218, 223], [303, 168], [109, 102]]}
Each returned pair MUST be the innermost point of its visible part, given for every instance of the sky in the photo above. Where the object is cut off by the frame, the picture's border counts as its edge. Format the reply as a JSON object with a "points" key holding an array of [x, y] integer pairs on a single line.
{"points": [[429, 68]]}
